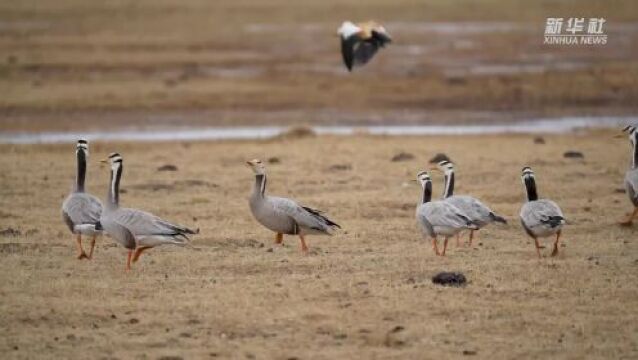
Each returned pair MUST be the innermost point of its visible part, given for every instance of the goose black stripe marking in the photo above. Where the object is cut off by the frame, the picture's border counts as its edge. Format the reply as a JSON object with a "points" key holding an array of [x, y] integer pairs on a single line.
{"points": [[114, 189], [81, 175], [530, 184], [449, 184]]}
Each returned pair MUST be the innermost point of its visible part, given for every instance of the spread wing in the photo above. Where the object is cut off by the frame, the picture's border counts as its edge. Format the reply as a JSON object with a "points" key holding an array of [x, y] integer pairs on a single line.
{"points": [[364, 51]]}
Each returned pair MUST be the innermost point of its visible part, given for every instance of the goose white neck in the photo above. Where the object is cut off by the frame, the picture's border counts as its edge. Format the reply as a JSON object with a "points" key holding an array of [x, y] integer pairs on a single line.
{"points": [[260, 185]]}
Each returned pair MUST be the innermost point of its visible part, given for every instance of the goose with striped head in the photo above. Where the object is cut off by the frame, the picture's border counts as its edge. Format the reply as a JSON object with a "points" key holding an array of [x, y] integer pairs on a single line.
{"points": [[540, 217], [631, 176], [80, 210], [285, 216], [478, 212], [135, 229], [439, 218], [360, 42]]}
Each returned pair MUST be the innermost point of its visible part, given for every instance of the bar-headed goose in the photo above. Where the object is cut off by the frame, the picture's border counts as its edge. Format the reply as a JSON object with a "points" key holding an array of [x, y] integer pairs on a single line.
{"points": [[360, 42], [81, 211], [631, 176], [285, 216], [439, 218], [478, 212], [135, 229], [540, 217]]}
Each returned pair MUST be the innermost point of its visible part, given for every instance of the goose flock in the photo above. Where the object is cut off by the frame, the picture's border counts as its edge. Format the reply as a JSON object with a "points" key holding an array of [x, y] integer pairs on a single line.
{"points": [[138, 231]]}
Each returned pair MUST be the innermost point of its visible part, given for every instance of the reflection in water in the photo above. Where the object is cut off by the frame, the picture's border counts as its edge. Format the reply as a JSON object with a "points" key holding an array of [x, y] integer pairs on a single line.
{"points": [[559, 125]]}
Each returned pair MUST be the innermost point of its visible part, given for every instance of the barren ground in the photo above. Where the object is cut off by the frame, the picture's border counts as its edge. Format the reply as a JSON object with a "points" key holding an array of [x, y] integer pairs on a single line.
{"points": [[364, 293]]}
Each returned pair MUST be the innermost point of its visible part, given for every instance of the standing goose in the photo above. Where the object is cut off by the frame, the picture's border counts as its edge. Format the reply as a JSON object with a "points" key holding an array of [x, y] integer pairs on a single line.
{"points": [[360, 42], [631, 176], [540, 218], [439, 218], [135, 229], [285, 216], [478, 212], [80, 210]]}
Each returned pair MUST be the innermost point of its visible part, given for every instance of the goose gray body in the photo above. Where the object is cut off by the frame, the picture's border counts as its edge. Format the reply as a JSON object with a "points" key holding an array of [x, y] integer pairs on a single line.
{"points": [[541, 218], [631, 185], [81, 213], [440, 218], [478, 212], [473, 208], [136, 229], [286, 216]]}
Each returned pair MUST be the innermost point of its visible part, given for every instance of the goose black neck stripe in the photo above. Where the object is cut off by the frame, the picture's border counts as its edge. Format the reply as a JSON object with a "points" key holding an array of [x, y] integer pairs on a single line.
{"points": [[79, 181]]}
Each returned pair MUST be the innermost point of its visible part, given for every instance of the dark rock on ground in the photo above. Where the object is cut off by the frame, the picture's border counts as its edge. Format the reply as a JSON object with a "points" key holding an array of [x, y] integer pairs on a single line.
{"points": [[167, 167], [449, 279], [539, 140], [572, 154]]}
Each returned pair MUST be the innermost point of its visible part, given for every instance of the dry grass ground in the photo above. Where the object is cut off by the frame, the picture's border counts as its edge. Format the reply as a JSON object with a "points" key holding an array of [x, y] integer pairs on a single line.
{"points": [[74, 64], [365, 293]]}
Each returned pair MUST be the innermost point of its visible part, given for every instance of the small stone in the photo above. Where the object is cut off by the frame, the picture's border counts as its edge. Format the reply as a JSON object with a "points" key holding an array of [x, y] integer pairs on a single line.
{"points": [[539, 140], [449, 279], [273, 160], [70, 337], [133, 321], [402, 156], [113, 316], [469, 352], [397, 329], [167, 167], [572, 154], [340, 167]]}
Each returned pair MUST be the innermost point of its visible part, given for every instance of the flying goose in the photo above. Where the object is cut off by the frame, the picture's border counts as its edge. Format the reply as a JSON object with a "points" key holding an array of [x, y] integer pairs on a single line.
{"points": [[631, 176], [360, 42], [285, 216], [80, 210], [478, 212], [135, 229], [540, 217], [439, 218]]}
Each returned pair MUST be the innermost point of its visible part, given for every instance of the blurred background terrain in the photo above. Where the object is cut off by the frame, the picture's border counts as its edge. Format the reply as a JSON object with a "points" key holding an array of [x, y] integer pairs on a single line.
{"points": [[76, 65]]}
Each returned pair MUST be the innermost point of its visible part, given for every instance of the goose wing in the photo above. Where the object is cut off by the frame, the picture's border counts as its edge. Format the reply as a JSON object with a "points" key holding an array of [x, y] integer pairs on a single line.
{"points": [[141, 223], [118, 232], [303, 216], [81, 209], [441, 213], [544, 213]]}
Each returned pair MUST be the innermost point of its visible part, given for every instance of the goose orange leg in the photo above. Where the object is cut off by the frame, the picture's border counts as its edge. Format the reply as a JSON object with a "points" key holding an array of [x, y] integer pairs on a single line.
{"points": [[304, 247], [538, 247], [471, 237], [629, 218], [81, 253], [555, 251], [138, 252], [92, 247], [435, 246], [279, 238], [444, 245], [128, 260]]}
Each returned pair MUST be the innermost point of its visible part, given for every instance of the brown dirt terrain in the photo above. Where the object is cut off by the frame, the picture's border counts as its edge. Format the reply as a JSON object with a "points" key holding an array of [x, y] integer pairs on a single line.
{"points": [[365, 293]]}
